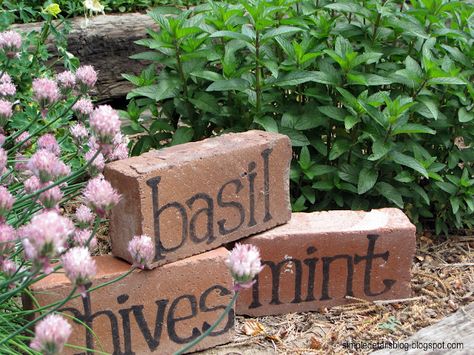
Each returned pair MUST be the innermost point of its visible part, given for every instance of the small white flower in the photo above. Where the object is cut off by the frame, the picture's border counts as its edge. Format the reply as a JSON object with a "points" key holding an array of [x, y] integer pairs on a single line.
{"points": [[93, 6], [244, 264]]}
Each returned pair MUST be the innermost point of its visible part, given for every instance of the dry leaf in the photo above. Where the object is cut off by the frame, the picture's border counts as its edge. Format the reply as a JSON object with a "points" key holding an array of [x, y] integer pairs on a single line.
{"points": [[253, 328], [315, 343], [458, 284], [283, 334], [453, 305], [275, 338]]}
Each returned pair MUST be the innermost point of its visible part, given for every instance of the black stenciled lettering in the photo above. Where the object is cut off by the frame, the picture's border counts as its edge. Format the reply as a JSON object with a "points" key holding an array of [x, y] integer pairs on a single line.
{"points": [[326, 275], [208, 212], [160, 249], [204, 308], [171, 320], [255, 294], [388, 283], [266, 183], [276, 273], [311, 262], [251, 176], [153, 341], [88, 319], [125, 315], [232, 204]]}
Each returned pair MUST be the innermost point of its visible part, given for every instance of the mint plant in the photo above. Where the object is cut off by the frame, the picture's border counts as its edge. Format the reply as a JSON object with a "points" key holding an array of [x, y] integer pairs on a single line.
{"points": [[376, 96]]}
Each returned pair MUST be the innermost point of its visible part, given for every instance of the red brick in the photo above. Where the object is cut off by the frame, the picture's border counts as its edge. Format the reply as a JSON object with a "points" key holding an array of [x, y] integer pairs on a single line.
{"points": [[183, 297], [297, 254], [207, 188]]}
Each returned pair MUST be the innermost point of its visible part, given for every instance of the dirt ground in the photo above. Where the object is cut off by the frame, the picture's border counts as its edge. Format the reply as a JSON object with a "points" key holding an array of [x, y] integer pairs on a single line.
{"points": [[442, 282]]}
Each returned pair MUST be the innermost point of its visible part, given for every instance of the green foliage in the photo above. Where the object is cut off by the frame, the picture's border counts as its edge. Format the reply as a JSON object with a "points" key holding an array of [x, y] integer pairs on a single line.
{"points": [[30, 10], [376, 96]]}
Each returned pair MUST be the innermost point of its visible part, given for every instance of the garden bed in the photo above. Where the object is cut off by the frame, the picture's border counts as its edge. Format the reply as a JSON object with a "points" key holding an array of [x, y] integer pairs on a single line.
{"points": [[442, 283]]}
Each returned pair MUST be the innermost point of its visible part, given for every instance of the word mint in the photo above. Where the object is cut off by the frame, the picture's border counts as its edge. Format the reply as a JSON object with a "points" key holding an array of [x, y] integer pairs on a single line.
{"points": [[197, 196], [322, 259]]}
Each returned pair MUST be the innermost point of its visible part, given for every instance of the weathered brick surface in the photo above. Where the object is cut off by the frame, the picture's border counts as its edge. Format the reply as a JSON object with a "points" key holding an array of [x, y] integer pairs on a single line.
{"points": [[318, 258], [197, 196], [154, 311]]}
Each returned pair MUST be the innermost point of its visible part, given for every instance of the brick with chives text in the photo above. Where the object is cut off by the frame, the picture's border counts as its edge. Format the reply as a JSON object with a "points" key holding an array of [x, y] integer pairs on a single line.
{"points": [[148, 312], [322, 259], [197, 196]]}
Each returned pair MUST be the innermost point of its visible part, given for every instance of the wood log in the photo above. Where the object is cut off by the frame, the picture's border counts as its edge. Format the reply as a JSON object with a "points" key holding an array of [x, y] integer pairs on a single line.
{"points": [[456, 328], [106, 42]]}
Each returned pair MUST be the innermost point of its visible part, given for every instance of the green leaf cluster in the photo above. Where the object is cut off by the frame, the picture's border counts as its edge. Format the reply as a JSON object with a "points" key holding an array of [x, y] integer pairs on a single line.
{"points": [[376, 96]]}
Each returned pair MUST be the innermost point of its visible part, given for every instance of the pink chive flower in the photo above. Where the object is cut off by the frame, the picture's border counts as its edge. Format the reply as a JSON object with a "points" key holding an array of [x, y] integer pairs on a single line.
{"points": [[45, 91], [79, 267], [51, 334], [81, 237], [23, 137], [5, 78], [45, 237], [79, 133], [66, 80], [84, 216], [6, 202], [32, 184], [100, 196], [21, 162], [83, 108], [86, 77], [51, 197], [7, 89], [98, 164], [119, 139], [49, 143], [120, 152], [244, 264], [10, 43], [119, 149], [3, 159], [6, 112], [9, 267], [105, 123], [46, 166], [7, 240], [92, 143], [142, 250]]}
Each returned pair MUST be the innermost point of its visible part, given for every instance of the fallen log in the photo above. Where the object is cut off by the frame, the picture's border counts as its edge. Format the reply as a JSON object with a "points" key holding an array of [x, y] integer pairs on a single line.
{"points": [[452, 335], [106, 42]]}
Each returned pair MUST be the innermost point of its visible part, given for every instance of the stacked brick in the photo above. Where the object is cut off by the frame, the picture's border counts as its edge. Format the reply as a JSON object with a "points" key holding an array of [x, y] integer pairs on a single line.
{"points": [[194, 200]]}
